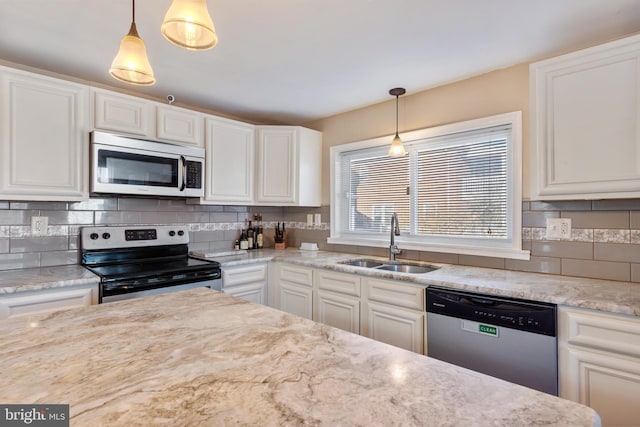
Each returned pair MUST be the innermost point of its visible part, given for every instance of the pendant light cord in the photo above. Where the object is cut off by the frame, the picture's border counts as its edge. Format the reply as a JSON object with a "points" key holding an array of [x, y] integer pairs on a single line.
{"points": [[396, 115], [133, 13]]}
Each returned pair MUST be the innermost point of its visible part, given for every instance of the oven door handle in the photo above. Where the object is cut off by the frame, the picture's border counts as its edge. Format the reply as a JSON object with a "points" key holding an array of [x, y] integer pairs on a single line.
{"points": [[184, 173]]}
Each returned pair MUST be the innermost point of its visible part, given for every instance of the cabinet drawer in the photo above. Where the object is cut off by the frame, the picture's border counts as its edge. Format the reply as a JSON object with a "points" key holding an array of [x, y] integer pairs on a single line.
{"points": [[300, 275], [242, 275], [18, 305], [396, 293], [338, 282], [609, 332]]}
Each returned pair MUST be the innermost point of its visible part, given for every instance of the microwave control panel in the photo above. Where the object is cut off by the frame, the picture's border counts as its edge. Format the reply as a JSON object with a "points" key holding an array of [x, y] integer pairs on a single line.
{"points": [[194, 174]]}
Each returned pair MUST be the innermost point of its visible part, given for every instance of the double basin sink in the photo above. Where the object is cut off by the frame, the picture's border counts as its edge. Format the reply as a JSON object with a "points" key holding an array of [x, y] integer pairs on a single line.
{"points": [[398, 267]]}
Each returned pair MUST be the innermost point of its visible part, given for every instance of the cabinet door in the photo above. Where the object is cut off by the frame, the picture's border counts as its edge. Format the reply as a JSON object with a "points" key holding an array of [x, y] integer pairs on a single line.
{"points": [[607, 382], [277, 164], [253, 292], [599, 363], [296, 299], [339, 311], [247, 282], [230, 148], [122, 113], [46, 301], [175, 124], [585, 123], [44, 137], [394, 325]]}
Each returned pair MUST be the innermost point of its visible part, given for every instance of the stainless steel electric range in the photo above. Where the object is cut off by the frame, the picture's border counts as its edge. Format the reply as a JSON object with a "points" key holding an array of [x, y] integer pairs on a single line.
{"points": [[135, 261]]}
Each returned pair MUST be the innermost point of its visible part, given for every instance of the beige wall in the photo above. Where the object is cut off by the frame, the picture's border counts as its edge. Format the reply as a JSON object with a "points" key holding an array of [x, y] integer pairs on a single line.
{"points": [[493, 93]]}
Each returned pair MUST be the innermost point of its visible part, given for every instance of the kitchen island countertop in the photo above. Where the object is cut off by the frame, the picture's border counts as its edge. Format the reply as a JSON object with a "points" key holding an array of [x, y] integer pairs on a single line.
{"points": [[200, 357]]}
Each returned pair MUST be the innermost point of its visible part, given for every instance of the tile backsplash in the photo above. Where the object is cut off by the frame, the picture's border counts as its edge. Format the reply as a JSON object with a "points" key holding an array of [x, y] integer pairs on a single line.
{"points": [[604, 242]]}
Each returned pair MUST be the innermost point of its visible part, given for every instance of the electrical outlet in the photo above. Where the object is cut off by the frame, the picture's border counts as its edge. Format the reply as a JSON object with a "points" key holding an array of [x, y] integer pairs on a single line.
{"points": [[558, 228], [39, 225], [318, 219], [309, 220]]}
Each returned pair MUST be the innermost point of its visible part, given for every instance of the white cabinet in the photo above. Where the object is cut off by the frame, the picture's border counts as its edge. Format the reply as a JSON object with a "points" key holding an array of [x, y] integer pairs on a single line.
{"points": [[585, 123], [394, 313], [44, 137], [337, 300], [120, 113], [289, 166], [25, 304], [248, 282], [599, 363], [175, 124], [385, 310], [230, 163], [294, 292]]}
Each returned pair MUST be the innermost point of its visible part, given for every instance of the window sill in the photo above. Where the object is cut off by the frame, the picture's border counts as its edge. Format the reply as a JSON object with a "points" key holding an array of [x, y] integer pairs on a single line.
{"points": [[461, 250]]}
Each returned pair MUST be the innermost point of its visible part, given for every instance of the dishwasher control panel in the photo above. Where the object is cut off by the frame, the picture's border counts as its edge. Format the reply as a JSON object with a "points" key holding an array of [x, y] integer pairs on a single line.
{"points": [[530, 316]]}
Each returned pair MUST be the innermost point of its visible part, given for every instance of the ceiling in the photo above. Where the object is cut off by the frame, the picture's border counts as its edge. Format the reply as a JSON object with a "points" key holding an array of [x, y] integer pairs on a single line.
{"points": [[293, 61]]}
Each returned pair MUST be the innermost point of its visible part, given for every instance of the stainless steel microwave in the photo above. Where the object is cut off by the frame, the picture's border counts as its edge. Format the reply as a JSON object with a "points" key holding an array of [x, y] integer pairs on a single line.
{"points": [[124, 165]]}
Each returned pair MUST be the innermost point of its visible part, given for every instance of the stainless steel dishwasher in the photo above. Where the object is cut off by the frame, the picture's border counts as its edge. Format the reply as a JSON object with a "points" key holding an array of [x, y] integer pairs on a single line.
{"points": [[511, 339]]}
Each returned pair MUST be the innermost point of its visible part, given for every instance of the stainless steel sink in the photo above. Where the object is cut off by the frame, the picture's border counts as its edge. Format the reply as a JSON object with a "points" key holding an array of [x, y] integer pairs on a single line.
{"points": [[399, 267], [406, 268], [367, 263]]}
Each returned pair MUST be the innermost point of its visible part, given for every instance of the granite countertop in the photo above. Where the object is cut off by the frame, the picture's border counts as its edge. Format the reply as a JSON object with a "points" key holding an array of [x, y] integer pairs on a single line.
{"points": [[34, 279], [200, 357], [604, 295]]}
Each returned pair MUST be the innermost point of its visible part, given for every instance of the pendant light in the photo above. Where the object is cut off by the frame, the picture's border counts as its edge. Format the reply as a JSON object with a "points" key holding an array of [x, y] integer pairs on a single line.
{"points": [[187, 24], [131, 64], [397, 148]]}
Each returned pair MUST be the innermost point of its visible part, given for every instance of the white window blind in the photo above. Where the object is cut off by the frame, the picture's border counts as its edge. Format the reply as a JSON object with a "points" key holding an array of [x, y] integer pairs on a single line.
{"points": [[462, 187], [458, 189], [377, 186]]}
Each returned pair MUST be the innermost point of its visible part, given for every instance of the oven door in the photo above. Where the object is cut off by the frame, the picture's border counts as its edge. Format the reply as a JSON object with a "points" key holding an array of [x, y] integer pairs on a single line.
{"points": [[215, 284]]}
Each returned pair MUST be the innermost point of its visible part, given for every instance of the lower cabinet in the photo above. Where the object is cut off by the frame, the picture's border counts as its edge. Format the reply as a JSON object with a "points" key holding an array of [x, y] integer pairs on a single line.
{"points": [[248, 282], [296, 299], [25, 304], [294, 292], [394, 313], [599, 363], [395, 325], [337, 300], [385, 310]]}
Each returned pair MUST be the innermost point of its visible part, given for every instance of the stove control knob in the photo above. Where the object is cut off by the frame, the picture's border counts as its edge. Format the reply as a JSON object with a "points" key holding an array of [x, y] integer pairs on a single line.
{"points": [[94, 236], [106, 235], [180, 233], [172, 233]]}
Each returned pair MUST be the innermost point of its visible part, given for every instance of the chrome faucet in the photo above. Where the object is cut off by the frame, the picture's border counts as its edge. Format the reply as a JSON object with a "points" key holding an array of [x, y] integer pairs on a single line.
{"points": [[395, 231]]}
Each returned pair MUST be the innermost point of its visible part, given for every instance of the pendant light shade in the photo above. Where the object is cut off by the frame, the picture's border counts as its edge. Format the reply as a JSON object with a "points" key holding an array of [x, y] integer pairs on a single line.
{"points": [[397, 147], [187, 24], [131, 64]]}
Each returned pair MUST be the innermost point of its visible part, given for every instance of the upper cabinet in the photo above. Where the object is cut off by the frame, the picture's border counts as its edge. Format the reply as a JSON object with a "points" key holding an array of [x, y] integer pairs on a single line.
{"points": [[585, 123], [121, 113], [43, 137], [289, 166], [230, 151]]}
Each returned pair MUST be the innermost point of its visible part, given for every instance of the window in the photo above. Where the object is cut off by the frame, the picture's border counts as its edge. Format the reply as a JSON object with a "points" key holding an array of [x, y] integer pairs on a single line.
{"points": [[458, 190]]}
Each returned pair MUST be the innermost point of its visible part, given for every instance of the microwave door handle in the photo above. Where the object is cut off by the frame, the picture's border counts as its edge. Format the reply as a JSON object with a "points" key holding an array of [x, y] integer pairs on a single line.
{"points": [[184, 173]]}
